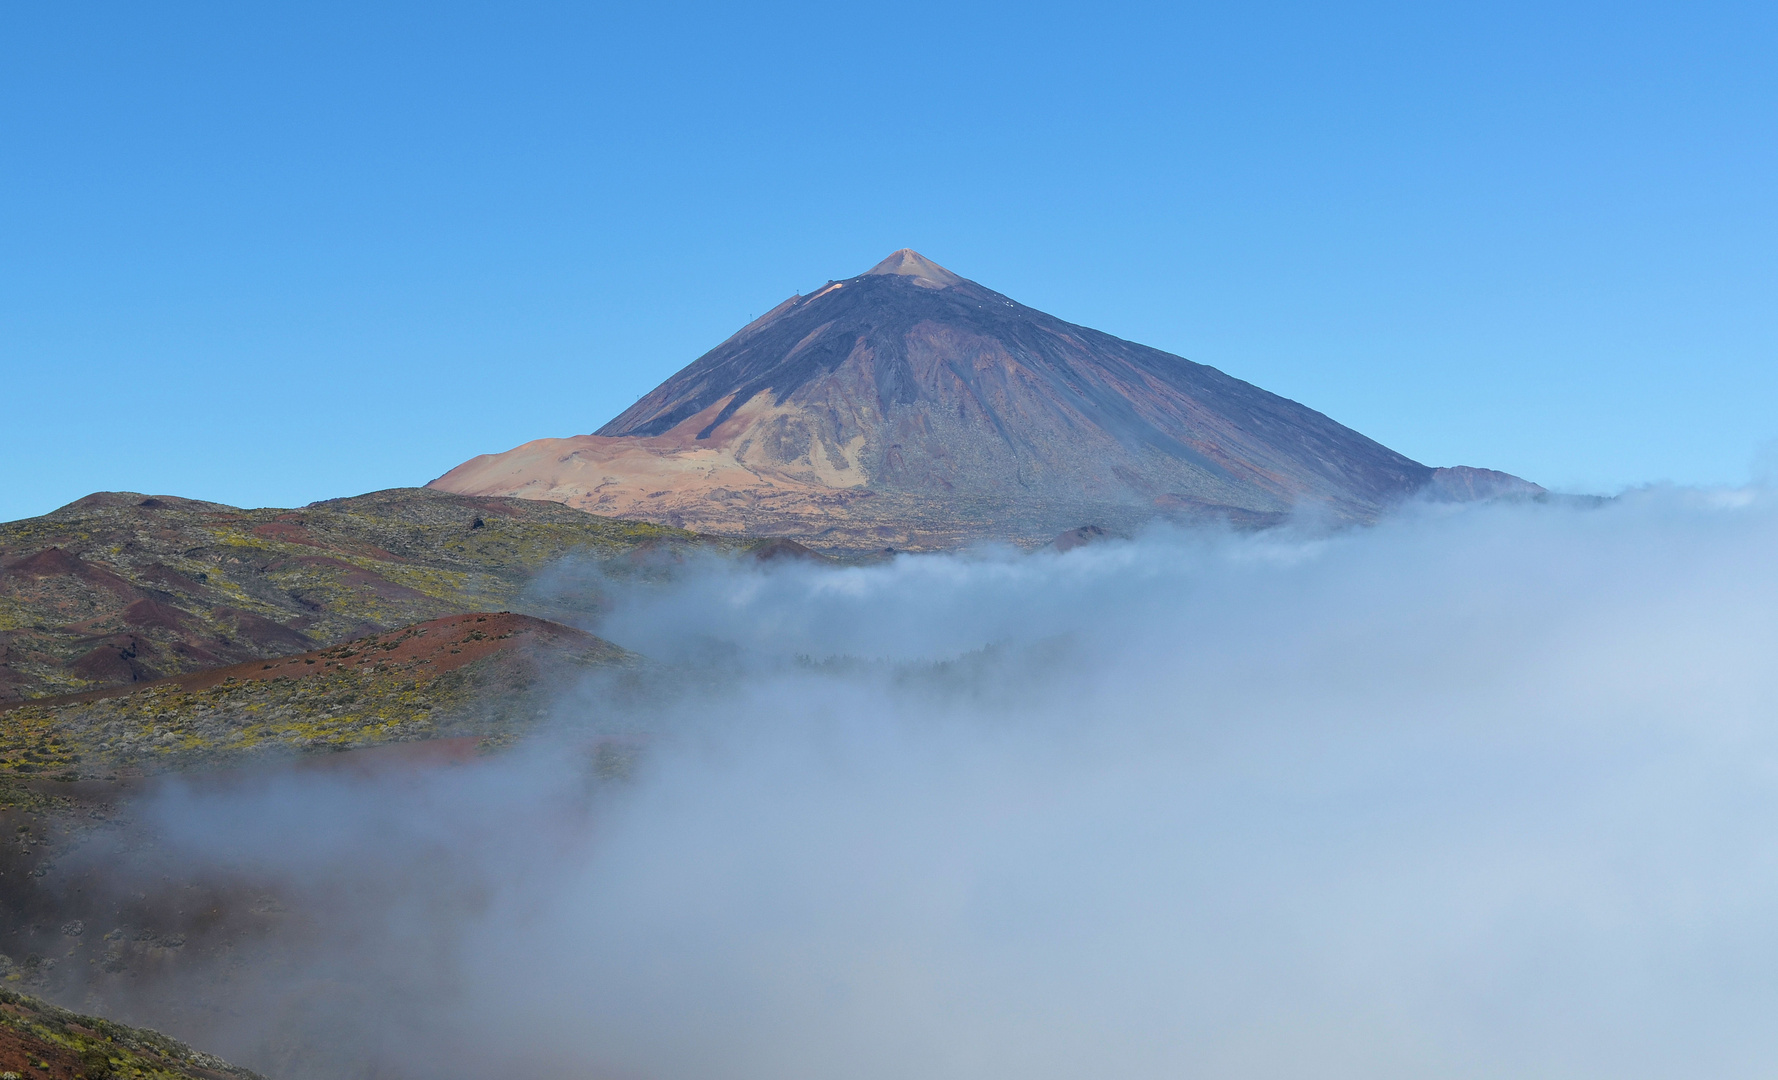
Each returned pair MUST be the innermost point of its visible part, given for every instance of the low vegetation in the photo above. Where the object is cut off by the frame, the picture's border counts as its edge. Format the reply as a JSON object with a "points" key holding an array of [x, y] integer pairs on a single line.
{"points": [[39, 1040], [119, 588], [485, 676]]}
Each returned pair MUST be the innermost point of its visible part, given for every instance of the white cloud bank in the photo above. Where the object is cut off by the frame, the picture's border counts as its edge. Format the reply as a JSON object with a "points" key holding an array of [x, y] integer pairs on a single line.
{"points": [[1479, 792]]}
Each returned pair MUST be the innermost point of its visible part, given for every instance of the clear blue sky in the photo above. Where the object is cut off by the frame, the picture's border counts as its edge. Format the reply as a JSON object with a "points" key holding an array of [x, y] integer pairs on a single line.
{"points": [[266, 254]]}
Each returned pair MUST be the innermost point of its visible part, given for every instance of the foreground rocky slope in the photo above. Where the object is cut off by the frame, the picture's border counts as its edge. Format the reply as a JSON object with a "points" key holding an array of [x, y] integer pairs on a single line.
{"points": [[40, 1040], [96, 914], [201, 646], [119, 588], [912, 407], [486, 676]]}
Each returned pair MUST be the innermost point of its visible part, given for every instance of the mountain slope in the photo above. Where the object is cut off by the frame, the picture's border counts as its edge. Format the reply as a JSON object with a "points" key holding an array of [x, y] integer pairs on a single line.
{"points": [[119, 588], [38, 1039], [914, 404], [482, 675]]}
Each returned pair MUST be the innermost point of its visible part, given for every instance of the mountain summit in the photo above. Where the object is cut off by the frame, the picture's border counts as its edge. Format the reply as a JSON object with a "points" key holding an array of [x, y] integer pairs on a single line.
{"points": [[914, 407], [910, 263]]}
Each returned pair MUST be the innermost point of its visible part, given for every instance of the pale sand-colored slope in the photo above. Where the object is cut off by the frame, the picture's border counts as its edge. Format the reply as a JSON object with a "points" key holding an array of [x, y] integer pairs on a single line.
{"points": [[707, 485]]}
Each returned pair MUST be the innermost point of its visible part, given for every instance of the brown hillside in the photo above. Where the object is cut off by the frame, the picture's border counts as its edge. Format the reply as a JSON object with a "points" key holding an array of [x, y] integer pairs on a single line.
{"points": [[481, 675], [121, 588]]}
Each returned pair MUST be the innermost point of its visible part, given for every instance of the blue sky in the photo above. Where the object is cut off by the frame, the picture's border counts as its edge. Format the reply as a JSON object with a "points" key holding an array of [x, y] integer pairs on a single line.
{"points": [[269, 254]]}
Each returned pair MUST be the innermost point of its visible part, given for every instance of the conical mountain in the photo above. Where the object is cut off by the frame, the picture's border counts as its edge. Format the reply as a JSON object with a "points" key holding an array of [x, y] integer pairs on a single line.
{"points": [[913, 407]]}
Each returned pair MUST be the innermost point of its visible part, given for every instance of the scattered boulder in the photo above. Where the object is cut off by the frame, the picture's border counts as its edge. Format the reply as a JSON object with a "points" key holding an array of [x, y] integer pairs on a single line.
{"points": [[774, 550], [1073, 538]]}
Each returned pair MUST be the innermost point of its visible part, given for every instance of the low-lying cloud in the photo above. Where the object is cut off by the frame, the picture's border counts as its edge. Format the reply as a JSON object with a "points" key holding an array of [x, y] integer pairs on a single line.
{"points": [[1477, 792]]}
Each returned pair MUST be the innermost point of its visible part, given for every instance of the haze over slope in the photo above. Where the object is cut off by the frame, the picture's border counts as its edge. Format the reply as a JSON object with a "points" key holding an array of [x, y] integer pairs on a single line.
{"points": [[913, 406], [1483, 792]]}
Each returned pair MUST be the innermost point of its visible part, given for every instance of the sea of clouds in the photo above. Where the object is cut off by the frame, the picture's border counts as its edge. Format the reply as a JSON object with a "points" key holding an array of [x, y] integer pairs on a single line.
{"points": [[1479, 791]]}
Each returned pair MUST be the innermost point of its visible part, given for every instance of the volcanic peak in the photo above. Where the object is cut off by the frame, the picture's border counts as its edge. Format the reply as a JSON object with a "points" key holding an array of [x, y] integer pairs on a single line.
{"points": [[914, 407], [910, 263]]}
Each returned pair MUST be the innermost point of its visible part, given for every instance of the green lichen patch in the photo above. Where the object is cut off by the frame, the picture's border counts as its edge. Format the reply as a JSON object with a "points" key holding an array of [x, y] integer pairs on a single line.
{"points": [[489, 676], [38, 1039]]}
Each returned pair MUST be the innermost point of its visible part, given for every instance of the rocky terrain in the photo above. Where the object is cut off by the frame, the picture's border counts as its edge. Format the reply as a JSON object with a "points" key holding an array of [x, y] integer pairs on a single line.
{"points": [[485, 676], [914, 408], [147, 640], [91, 912], [40, 1040], [120, 588]]}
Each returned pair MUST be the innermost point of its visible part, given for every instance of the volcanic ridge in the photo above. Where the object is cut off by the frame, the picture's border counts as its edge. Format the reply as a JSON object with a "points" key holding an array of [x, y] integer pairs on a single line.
{"points": [[912, 407]]}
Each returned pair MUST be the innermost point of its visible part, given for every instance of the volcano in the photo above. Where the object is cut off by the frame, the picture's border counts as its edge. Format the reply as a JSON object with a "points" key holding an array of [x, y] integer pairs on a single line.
{"points": [[912, 407]]}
